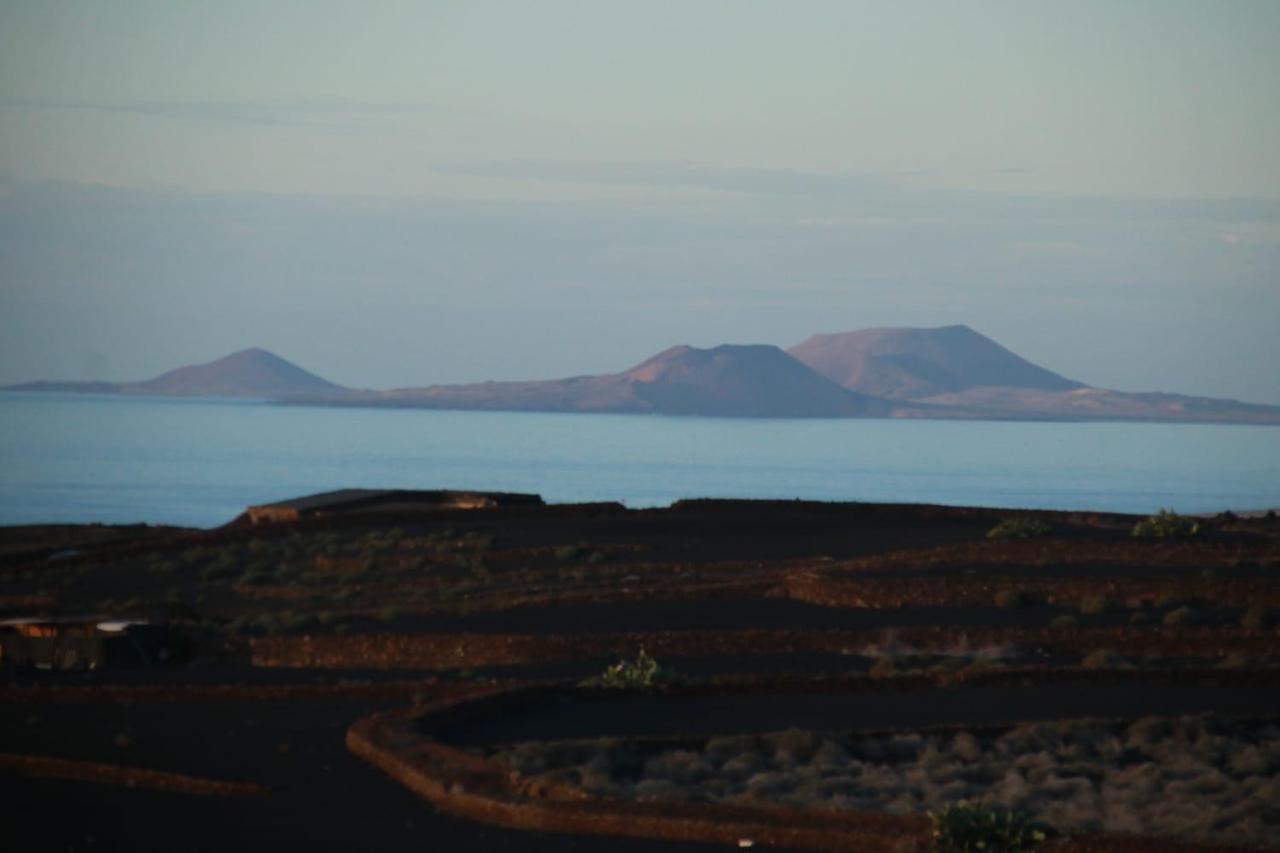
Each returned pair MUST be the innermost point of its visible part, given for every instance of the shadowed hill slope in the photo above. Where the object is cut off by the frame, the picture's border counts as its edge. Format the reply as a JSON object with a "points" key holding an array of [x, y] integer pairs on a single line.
{"points": [[911, 364], [733, 381]]}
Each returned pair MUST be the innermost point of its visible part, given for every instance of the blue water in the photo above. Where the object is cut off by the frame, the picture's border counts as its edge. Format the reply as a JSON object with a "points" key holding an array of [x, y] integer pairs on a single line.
{"points": [[67, 457]]}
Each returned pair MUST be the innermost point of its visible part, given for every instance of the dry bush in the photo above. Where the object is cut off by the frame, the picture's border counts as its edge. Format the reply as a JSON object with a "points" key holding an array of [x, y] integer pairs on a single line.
{"points": [[1203, 779], [1010, 599], [883, 668], [1094, 605], [1256, 618], [1166, 524], [1101, 659], [1019, 528], [1182, 616]]}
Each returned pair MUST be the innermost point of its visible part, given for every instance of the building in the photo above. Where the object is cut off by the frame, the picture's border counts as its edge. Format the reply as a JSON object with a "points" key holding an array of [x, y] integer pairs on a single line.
{"points": [[347, 501], [80, 643]]}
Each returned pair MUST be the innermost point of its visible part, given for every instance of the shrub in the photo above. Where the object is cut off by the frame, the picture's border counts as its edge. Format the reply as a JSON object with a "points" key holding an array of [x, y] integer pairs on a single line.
{"points": [[1094, 605], [883, 668], [1018, 528], [567, 552], [219, 571], [1182, 616], [478, 571], [644, 671], [1165, 524], [966, 827], [255, 577], [1009, 599], [1065, 622], [1100, 659], [1256, 618]]}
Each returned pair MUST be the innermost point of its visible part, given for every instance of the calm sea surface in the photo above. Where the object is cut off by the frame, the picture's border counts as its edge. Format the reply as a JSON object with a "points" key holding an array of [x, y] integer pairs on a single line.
{"points": [[199, 462]]}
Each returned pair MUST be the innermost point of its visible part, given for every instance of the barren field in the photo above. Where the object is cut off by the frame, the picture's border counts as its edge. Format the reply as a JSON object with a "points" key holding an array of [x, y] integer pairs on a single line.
{"points": [[871, 662]]}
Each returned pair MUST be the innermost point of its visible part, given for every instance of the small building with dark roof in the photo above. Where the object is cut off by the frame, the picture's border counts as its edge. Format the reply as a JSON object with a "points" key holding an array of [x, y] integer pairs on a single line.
{"points": [[345, 501], [79, 643]]}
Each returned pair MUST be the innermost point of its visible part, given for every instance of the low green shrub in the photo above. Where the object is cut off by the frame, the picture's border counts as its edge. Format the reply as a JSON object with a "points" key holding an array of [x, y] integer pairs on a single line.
{"points": [[1182, 616], [219, 572], [255, 577], [644, 671], [478, 571], [1009, 599], [1019, 528], [1256, 618], [567, 552], [1094, 605], [967, 827], [1064, 622], [1101, 659], [1165, 524], [883, 668]]}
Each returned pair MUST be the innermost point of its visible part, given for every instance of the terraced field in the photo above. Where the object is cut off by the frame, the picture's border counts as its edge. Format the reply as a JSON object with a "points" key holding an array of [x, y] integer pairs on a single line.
{"points": [[865, 663]]}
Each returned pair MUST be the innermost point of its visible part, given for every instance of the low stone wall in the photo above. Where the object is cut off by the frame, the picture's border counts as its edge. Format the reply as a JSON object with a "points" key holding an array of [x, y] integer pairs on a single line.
{"points": [[884, 590], [44, 767], [470, 786], [401, 744]]}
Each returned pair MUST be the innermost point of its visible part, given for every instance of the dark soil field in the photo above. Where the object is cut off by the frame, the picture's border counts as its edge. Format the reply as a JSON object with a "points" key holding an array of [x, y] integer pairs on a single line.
{"points": [[763, 617]]}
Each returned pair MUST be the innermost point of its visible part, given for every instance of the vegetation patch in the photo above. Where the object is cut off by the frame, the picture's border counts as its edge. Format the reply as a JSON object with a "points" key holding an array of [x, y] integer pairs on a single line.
{"points": [[640, 673], [1196, 778], [1166, 524], [964, 827], [1019, 528]]}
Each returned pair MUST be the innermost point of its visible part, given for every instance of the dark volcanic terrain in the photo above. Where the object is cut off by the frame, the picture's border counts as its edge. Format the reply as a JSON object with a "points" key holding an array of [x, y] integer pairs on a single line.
{"points": [[828, 674]]}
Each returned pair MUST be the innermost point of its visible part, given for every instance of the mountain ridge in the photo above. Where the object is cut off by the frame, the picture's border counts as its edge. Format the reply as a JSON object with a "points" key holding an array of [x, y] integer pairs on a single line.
{"points": [[949, 372], [904, 363], [753, 380], [252, 373]]}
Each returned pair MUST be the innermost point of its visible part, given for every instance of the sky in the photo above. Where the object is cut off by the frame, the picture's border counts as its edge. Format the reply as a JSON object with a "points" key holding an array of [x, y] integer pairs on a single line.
{"points": [[397, 194]]}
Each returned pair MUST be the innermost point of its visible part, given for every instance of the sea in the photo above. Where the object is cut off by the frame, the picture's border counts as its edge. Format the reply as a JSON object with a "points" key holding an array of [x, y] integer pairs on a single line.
{"points": [[199, 462]]}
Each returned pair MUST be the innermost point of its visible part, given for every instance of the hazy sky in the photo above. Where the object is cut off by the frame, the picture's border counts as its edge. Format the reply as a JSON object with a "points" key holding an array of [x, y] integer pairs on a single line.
{"points": [[406, 193]]}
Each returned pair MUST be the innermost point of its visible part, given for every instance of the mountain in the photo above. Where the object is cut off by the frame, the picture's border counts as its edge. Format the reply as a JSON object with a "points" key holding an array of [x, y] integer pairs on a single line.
{"points": [[725, 381], [253, 373], [248, 373], [946, 373], [913, 364], [955, 372]]}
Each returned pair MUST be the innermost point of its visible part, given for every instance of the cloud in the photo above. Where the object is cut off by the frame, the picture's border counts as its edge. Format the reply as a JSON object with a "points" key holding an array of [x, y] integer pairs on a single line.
{"points": [[1245, 233], [673, 174], [288, 112], [828, 196]]}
